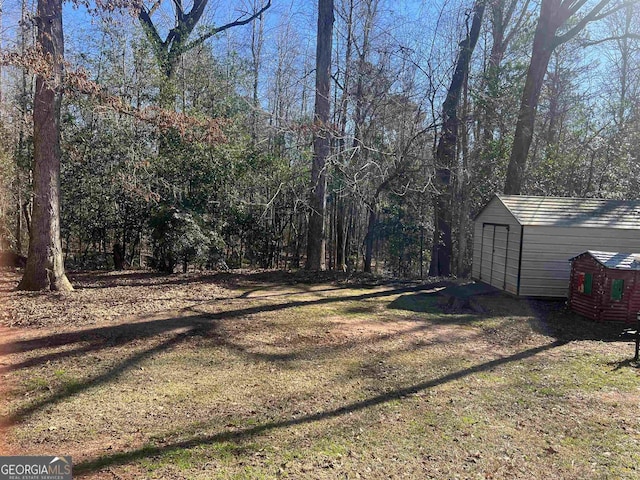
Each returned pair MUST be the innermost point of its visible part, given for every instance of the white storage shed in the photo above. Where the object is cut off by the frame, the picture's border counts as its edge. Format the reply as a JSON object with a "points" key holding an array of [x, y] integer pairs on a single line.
{"points": [[523, 244]]}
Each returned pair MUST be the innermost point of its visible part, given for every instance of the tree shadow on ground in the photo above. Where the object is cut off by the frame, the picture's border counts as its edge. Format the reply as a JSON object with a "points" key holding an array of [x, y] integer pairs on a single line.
{"points": [[628, 363], [231, 279], [417, 302], [175, 329], [125, 332], [553, 318], [478, 301], [206, 330], [110, 374], [178, 327], [237, 435], [550, 318]]}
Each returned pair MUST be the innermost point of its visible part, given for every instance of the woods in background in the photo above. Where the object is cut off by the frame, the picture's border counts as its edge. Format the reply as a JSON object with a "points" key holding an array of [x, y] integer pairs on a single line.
{"points": [[369, 144]]}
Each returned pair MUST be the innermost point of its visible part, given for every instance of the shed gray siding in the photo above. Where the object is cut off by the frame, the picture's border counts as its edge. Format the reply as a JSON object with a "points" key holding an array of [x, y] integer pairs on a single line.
{"points": [[491, 238], [546, 252], [543, 234]]}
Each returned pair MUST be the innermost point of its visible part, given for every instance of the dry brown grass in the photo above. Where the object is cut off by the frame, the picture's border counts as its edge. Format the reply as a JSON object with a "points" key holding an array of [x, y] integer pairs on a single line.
{"points": [[262, 376]]}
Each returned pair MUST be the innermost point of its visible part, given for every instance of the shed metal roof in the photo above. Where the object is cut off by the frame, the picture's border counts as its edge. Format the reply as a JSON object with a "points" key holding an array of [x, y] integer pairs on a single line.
{"points": [[573, 212], [618, 260]]}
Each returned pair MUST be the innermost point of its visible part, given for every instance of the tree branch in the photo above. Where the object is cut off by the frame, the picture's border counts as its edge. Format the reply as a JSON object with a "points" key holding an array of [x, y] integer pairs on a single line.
{"points": [[614, 10], [186, 23], [338, 84], [589, 17], [524, 14], [179, 11], [149, 27], [511, 8], [185, 26], [154, 7], [571, 7], [632, 36], [236, 23]]}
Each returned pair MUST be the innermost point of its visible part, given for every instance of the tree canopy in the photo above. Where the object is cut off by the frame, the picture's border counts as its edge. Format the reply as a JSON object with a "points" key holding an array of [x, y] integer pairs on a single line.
{"points": [[191, 133]]}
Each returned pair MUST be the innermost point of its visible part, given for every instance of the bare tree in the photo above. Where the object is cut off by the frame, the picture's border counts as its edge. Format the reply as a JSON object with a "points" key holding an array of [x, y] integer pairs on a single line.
{"points": [[558, 23], [623, 60], [257, 44], [341, 224], [22, 154], [507, 18], [177, 42], [321, 141], [446, 151]]}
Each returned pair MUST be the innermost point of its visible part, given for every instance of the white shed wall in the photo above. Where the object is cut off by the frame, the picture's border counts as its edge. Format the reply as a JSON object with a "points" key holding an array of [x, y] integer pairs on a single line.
{"points": [[496, 213], [546, 252]]}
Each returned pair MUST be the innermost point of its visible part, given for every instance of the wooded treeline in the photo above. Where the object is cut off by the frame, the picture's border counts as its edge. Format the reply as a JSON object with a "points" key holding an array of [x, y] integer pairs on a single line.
{"points": [[384, 140]]}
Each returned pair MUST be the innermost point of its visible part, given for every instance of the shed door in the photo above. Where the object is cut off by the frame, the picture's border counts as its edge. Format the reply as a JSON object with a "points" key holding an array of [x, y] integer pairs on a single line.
{"points": [[495, 244]]}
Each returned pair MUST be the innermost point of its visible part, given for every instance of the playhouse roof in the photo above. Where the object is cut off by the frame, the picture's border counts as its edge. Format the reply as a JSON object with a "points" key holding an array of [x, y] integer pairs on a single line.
{"points": [[573, 212], [617, 260]]}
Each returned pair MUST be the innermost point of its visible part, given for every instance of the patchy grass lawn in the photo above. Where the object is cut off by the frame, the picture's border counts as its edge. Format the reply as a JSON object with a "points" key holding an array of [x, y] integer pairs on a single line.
{"points": [[263, 376]]}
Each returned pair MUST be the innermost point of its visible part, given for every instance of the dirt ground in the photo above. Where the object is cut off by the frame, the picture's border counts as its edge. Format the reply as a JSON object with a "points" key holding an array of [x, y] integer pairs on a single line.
{"points": [[5, 341], [280, 375]]}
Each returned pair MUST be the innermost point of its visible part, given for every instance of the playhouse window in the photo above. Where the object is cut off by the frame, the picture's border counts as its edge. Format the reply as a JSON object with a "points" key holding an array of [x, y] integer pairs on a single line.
{"points": [[617, 289], [585, 282]]}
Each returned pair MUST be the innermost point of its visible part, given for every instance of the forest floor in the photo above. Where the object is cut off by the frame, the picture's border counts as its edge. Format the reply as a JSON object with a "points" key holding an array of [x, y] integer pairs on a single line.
{"points": [[276, 375]]}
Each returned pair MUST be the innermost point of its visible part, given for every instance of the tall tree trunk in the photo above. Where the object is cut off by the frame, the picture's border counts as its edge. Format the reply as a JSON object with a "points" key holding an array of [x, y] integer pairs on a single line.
{"points": [[554, 87], [543, 45], [463, 190], [332, 231], [446, 152], [370, 237], [321, 141], [18, 230], [626, 55], [22, 153], [553, 15], [45, 264], [168, 87], [257, 39], [507, 19], [341, 225], [341, 236]]}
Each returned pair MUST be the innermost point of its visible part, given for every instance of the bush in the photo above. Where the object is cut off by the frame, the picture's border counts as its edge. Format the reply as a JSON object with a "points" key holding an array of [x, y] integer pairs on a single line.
{"points": [[180, 237]]}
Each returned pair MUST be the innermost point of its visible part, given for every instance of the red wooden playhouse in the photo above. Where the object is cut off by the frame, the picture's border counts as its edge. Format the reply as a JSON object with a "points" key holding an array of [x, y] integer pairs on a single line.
{"points": [[605, 285]]}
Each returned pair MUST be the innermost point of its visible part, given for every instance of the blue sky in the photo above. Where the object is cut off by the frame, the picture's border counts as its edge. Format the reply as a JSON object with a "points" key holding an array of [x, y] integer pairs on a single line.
{"points": [[410, 23]]}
